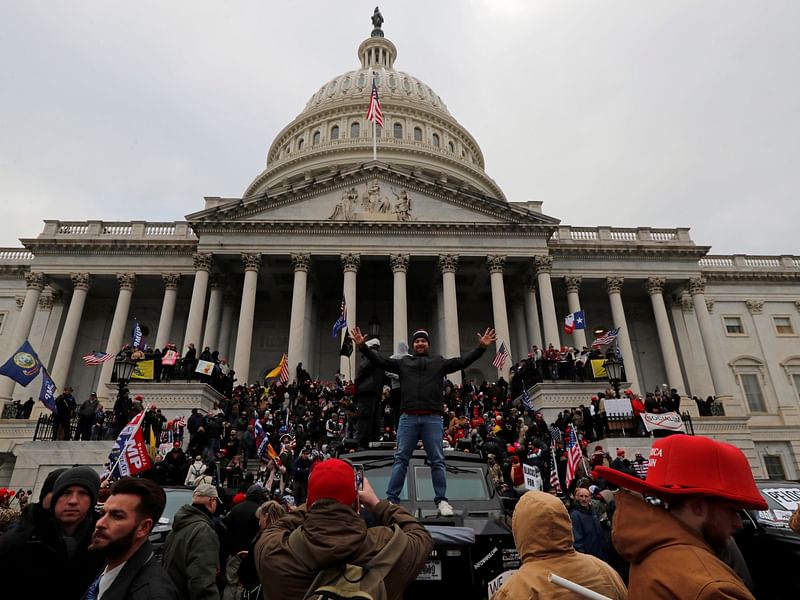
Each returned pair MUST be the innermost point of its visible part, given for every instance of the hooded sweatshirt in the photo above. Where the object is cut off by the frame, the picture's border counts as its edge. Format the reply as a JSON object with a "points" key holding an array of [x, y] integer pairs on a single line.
{"points": [[668, 559], [543, 536]]}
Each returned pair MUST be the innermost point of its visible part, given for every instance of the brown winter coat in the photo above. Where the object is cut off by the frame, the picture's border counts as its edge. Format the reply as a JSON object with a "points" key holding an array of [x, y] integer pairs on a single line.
{"points": [[336, 535], [669, 560], [543, 535]]}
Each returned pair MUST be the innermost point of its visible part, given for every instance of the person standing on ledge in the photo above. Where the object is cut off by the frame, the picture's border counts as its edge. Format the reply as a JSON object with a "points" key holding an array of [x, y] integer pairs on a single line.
{"points": [[421, 375]]}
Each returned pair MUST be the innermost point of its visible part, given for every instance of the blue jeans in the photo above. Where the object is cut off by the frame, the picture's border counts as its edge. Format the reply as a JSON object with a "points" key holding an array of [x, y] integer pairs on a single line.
{"points": [[412, 428]]}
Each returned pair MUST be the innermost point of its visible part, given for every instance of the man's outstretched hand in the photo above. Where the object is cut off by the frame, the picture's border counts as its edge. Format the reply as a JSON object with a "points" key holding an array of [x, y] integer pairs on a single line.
{"points": [[358, 337], [486, 339]]}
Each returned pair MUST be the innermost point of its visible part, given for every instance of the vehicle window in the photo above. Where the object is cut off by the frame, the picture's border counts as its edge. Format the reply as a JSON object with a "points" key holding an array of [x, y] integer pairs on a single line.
{"points": [[379, 480], [175, 499], [465, 484]]}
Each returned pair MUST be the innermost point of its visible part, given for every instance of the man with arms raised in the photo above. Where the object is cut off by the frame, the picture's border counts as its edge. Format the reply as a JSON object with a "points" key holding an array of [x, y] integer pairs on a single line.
{"points": [[674, 552], [421, 376], [128, 517]]}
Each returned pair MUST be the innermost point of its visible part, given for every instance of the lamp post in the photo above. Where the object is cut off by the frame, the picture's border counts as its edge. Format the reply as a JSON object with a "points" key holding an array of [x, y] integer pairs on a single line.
{"points": [[613, 367], [123, 369], [374, 327]]}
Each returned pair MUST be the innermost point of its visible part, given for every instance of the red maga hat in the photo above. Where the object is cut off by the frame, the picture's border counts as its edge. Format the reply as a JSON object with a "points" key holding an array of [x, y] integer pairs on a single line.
{"points": [[332, 478], [687, 465]]}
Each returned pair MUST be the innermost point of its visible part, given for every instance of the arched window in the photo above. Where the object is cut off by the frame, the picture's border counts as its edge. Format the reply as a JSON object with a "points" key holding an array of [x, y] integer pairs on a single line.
{"points": [[451, 147], [355, 130], [335, 132], [417, 134], [398, 131], [315, 138], [300, 143], [286, 149], [436, 139]]}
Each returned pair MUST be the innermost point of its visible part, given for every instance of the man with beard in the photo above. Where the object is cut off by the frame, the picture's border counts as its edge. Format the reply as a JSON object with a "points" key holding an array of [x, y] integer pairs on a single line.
{"points": [[704, 484], [121, 533]]}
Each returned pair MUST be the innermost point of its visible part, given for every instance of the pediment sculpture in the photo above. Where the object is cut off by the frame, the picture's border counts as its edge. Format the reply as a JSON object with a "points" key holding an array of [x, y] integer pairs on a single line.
{"points": [[372, 205]]}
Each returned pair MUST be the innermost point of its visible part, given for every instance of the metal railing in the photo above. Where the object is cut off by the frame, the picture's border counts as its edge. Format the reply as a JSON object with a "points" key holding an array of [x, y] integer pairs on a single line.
{"points": [[625, 425]]}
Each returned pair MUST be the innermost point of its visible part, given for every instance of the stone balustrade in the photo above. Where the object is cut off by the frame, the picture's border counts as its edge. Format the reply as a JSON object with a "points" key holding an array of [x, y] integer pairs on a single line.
{"points": [[116, 229]]}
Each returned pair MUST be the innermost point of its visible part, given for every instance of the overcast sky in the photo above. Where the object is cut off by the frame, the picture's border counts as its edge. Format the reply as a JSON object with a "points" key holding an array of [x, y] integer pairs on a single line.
{"points": [[626, 113]]}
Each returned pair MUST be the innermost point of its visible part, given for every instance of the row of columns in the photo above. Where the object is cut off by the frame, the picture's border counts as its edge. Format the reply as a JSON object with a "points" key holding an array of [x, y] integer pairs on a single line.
{"points": [[219, 318]]}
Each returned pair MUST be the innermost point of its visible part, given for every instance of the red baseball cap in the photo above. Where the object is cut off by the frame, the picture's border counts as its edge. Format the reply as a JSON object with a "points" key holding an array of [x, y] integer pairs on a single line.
{"points": [[334, 479], [686, 465]]}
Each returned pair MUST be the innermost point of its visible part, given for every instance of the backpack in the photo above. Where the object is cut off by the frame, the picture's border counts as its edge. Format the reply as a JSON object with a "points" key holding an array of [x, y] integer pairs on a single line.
{"points": [[347, 581]]}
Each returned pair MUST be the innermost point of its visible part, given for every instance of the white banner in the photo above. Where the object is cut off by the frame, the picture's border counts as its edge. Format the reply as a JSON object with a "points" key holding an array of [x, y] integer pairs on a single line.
{"points": [[205, 367], [618, 406], [496, 583], [670, 421], [533, 479]]}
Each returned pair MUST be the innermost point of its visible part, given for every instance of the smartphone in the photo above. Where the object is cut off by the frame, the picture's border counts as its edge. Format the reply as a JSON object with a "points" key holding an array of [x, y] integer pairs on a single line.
{"points": [[359, 469]]}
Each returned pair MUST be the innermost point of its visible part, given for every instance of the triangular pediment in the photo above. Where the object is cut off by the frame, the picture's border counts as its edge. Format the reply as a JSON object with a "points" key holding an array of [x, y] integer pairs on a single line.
{"points": [[371, 195]]}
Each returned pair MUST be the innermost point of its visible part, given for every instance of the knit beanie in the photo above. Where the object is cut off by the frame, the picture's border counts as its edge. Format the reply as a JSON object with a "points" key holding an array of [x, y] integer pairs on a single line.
{"points": [[85, 477], [334, 479], [421, 333], [49, 482]]}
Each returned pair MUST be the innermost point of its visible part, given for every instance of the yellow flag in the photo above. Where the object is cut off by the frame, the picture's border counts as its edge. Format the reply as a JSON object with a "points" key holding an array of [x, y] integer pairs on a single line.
{"points": [[144, 369], [277, 370], [598, 370]]}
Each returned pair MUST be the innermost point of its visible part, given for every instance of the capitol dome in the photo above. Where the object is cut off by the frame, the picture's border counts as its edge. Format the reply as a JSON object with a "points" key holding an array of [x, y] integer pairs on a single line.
{"points": [[332, 131]]}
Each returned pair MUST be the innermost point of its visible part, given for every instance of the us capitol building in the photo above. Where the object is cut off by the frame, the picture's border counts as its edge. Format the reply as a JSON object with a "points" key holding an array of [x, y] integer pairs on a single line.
{"points": [[420, 237]]}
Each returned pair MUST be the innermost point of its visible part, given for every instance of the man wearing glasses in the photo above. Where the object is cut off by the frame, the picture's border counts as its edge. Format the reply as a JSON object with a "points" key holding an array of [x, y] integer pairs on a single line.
{"points": [[191, 550]]}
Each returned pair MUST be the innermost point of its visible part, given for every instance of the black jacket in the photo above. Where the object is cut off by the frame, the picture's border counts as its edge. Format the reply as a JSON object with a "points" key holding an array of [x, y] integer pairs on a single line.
{"points": [[369, 381], [421, 376], [242, 523], [142, 578]]}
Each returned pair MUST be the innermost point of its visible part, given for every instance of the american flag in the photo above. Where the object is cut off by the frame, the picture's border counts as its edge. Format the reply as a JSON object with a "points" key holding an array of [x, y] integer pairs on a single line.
{"points": [[605, 340], [97, 358], [341, 322], [555, 483], [284, 374], [374, 113], [574, 455], [501, 357]]}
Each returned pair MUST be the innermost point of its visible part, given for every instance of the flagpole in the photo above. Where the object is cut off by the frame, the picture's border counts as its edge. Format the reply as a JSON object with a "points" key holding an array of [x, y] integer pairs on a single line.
{"points": [[374, 140], [127, 443]]}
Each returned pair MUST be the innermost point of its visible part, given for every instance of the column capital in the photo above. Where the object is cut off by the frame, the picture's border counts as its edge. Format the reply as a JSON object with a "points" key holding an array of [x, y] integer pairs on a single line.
{"points": [[756, 307], [573, 283], [81, 281], [797, 305], [46, 301], [655, 285], [686, 304], [496, 263], [448, 263], [171, 280], [203, 261], [127, 281], [710, 304], [697, 285], [543, 264], [251, 262], [301, 262], [20, 300], [350, 262], [614, 284], [399, 262], [34, 281]]}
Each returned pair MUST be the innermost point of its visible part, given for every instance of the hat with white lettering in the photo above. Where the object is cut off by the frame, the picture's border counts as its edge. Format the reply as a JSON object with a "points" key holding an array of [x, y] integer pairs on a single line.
{"points": [[689, 465]]}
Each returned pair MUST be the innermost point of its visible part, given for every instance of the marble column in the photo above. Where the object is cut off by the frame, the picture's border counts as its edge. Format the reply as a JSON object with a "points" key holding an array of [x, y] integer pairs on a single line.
{"points": [[297, 320], [518, 327], [66, 346], [614, 289], [448, 263], [532, 316], [544, 265], [226, 327], [203, 263], [247, 312], [655, 287], [35, 284], [716, 364], [573, 285], [126, 281], [350, 266], [399, 263], [171, 281], [496, 264], [211, 336]]}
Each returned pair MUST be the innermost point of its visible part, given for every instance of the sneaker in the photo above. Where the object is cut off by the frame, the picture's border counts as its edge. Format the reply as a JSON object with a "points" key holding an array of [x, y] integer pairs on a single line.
{"points": [[445, 510]]}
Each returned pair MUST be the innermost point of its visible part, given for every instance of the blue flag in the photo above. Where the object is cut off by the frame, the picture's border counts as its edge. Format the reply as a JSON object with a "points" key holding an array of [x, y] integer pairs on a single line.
{"points": [[526, 400], [48, 392], [23, 366], [341, 322], [137, 339]]}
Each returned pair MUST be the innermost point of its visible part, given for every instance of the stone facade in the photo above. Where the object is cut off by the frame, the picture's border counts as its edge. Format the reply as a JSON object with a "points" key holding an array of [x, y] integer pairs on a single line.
{"points": [[420, 237]]}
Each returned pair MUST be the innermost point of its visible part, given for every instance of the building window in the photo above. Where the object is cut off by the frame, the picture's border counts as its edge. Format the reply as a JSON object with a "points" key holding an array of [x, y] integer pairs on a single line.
{"points": [[398, 131], [315, 138], [774, 465], [795, 380], [3, 316], [783, 325], [417, 134], [286, 149], [752, 392], [436, 139], [733, 325], [355, 130], [300, 143], [451, 147], [335, 132]]}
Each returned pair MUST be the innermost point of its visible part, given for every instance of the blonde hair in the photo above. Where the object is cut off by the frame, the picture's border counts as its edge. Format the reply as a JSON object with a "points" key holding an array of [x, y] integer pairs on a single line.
{"points": [[272, 510]]}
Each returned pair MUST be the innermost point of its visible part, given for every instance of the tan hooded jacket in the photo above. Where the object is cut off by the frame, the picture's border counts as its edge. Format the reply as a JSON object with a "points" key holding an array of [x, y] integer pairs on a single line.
{"points": [[669, 560], [543, 535]]}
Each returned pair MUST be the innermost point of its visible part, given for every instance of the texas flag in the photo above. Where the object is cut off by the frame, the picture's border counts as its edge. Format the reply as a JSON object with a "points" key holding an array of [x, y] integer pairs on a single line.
{"points": [[573, 321]]}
